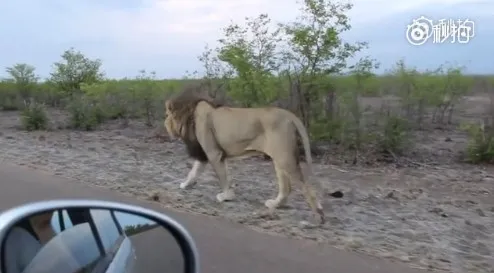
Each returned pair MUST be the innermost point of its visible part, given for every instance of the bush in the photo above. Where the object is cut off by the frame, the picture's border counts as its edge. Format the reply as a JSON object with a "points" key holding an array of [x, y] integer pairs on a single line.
{"points": [[481, 143], [9, 98], [85, 114], [394, 138], [34, 117]]}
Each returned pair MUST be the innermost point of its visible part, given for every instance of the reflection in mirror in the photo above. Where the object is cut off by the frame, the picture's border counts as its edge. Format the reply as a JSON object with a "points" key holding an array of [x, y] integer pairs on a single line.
{"points": [[155, 247], [133, 224], [89, 240]]}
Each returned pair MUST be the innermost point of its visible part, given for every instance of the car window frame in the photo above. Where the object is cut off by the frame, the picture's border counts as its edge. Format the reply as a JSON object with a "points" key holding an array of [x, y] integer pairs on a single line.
{"points": [[89, 220], [105, 256], [89, 266], [113, 220], [102, 264]]}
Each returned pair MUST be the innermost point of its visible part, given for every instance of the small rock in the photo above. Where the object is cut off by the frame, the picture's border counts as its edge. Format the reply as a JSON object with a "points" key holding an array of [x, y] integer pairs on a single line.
{"points": [[154, 197], [444, 260], [336, 194], [306, 225], [415, 193], [439, 211], [480, 212], [448, 139], [483, 249], [392, 195], [471, 202], [405, 258], [265, 215]]}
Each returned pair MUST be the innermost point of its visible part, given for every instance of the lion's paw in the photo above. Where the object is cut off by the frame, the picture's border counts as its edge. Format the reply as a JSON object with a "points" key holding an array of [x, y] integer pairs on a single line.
{"points": [[225, 196], [271, 204], [186, 185]]}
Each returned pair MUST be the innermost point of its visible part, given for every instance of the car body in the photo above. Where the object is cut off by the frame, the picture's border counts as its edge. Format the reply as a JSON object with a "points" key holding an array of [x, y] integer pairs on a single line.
{"points": [[104, 247], [87, 237]]}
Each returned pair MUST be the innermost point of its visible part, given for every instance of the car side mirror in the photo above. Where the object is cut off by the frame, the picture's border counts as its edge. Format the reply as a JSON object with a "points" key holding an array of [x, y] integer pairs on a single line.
{"points": [[93, 236]]}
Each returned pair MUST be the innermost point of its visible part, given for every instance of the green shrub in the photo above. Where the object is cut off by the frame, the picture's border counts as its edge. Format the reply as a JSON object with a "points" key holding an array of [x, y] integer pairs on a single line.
{"points": [[394, 138], [85, 114], [9, 98], [328, 130], [34, 117], [480, 148], [10, 103]]}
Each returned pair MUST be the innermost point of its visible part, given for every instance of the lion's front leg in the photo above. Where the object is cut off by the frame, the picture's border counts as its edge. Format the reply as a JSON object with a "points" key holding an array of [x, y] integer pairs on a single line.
{"points": [[215, 157], [225, 182], [197, 169]]}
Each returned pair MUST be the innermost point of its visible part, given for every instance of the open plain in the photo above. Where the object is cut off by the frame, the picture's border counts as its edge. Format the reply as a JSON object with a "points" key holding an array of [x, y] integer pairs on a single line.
{"points": [[430, 210]]}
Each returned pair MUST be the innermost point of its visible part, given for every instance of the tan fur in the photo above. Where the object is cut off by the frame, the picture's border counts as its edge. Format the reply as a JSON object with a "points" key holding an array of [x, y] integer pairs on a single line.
{"points": [[226, 132]]}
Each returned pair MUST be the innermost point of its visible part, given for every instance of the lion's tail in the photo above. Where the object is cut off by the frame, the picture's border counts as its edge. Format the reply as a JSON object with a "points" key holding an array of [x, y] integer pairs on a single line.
{"points": [[305, 141]]}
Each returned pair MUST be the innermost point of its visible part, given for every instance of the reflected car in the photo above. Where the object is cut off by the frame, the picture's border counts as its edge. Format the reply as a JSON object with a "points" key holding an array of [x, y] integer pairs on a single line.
{"points": [[86, 240]]}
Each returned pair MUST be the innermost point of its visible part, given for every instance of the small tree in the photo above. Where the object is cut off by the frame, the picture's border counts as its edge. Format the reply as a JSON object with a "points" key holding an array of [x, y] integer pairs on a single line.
{"points": [[362, 72], [316, 50], [74, 70], [24, 78], [216, 72], [148, 96], [251, 53]]}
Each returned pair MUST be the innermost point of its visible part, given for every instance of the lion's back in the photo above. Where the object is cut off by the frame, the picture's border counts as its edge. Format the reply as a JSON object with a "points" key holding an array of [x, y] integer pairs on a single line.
{"points": [[243, 130], [252, 117], [250, 123]]}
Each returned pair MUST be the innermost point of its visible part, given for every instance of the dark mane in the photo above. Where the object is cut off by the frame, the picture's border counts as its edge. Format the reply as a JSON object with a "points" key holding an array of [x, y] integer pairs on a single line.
{"points": [[183, 106]]}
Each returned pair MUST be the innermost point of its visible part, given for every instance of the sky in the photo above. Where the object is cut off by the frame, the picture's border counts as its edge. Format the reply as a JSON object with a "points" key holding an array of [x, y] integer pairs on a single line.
{"points": [[166, 36]]}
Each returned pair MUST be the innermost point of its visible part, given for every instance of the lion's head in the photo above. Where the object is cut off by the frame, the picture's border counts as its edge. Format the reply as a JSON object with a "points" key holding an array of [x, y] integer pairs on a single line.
{"points": [[179, 110], [180, 122]]}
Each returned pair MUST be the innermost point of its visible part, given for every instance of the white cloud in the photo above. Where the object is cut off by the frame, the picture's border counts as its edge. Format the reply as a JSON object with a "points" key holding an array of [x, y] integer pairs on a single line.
{"points": [[186, 24], [368, 11]]}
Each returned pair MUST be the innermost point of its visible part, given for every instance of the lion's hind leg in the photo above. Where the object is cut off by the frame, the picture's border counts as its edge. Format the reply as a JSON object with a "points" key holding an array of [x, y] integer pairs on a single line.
{"points": [[292, 173], [314, 204], [284, 189]]}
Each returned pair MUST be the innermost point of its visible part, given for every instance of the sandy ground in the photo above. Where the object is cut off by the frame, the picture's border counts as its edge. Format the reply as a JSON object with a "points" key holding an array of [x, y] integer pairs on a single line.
{"points": [[439, 217]]}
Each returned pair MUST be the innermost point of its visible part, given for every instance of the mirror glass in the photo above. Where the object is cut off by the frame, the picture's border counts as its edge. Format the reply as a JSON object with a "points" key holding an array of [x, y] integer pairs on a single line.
{"points": [[89, 240]]}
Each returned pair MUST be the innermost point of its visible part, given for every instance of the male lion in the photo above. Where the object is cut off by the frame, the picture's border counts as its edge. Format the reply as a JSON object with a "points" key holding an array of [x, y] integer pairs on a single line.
{"points": [[213, 133]]}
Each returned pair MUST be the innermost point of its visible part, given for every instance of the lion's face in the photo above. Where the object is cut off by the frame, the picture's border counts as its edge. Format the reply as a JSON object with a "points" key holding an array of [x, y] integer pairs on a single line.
{"points": [[180, 111]]}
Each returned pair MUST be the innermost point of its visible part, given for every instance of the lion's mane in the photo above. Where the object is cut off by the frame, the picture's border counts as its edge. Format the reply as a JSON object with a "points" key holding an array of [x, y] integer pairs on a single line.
{"points": [[182, 107]]}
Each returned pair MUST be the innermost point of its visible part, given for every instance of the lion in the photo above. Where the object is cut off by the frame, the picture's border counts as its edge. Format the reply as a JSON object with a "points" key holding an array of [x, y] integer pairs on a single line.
{"points": [[213, 133]]}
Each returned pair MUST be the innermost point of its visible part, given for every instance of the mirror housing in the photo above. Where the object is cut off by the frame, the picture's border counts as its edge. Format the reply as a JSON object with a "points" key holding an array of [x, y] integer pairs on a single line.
{"points": [[35, 210]]}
